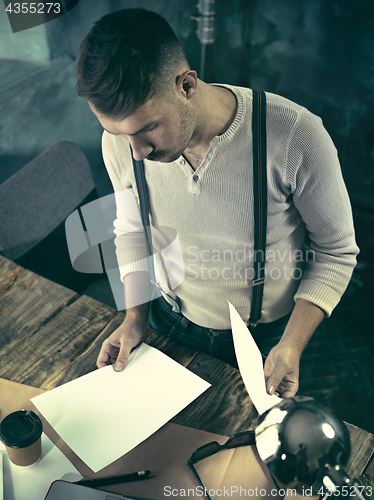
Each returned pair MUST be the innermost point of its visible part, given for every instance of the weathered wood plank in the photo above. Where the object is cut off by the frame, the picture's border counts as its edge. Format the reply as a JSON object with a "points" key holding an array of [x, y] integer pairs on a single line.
{"points": [[369, 469], [175, 350], [27, 302], [7, 267], [40, 359], [362, 448], [86, 361], [225, 408]]}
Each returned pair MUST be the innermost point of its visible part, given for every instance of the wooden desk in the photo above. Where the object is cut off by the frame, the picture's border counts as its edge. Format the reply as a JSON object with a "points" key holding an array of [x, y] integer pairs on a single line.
{"points": [[50, 335]]}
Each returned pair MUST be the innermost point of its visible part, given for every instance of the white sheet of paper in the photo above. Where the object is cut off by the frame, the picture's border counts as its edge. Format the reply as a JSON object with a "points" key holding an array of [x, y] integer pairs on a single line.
{"points": [[250, 363], [105, 413], [1, 477], [33, 484]]}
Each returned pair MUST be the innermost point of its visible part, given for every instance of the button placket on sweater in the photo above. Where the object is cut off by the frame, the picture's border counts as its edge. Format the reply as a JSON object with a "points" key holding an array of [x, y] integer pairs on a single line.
{"points": [[194, 184], [194, 177]]}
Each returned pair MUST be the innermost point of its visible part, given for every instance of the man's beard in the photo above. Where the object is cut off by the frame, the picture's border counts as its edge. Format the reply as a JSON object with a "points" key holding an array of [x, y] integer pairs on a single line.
{"points": [[186, 128], [164, 156]]}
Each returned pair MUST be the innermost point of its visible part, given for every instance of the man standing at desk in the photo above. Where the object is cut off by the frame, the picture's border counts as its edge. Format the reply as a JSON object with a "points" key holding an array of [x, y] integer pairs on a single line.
{"points": [[196, 143]]}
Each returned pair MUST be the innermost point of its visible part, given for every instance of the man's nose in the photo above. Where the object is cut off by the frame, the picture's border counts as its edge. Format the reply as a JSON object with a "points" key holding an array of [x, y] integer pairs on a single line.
{"points": [[140, 149]]}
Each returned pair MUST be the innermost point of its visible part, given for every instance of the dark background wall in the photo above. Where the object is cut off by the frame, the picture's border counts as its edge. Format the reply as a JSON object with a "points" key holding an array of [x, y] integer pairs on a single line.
{"points": [[318, 53]]}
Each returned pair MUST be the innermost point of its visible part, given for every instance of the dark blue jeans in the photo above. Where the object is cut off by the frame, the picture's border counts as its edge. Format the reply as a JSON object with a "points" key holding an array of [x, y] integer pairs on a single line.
{"points": [[217, 343]]}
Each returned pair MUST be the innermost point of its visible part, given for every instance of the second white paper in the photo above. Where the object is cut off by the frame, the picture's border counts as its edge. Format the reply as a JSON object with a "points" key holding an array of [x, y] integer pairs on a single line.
{"points": [[105, 413], [250, 364]]}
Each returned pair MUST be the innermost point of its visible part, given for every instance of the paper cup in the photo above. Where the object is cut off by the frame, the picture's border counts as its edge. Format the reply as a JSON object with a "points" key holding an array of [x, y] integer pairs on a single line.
{"points": [[21, 432]]}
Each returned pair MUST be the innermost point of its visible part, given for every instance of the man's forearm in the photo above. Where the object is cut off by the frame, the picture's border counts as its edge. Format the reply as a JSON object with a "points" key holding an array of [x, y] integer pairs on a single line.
{"points": [[138, 294], [303, 322], [281, 368]]}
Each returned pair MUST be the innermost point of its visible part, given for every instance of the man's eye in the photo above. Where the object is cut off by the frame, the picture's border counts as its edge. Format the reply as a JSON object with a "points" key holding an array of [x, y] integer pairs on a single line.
{"points": [[151, 128]]}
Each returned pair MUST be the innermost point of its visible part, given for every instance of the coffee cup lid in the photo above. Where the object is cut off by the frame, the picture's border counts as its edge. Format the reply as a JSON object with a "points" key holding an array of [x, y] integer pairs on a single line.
{"points": [[20, 429]]}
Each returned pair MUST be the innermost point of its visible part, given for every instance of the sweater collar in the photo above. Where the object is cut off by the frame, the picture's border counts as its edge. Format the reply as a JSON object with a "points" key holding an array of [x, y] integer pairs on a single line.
{"points": [[238, 120]]}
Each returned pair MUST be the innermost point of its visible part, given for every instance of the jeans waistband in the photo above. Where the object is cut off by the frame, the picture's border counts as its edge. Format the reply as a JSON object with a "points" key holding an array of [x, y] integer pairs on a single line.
{"points": [[260, 326]]}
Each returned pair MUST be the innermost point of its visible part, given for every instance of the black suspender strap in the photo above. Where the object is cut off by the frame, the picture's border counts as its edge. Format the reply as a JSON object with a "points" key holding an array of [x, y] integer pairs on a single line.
{"points": [[141, 186], [260, 203]]}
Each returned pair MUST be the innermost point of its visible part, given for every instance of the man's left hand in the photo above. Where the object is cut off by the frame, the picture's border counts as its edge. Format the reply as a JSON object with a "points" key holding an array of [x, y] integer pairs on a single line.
{"points": [[282, 371]]}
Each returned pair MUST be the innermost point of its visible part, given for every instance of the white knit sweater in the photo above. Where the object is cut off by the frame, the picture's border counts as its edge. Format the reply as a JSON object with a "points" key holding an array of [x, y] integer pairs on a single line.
{"points": [[211, 211]]}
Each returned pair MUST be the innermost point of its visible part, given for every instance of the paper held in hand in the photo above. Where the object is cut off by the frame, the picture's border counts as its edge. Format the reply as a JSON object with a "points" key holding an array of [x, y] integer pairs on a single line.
{"points": [[105, 413], [250, 364]]}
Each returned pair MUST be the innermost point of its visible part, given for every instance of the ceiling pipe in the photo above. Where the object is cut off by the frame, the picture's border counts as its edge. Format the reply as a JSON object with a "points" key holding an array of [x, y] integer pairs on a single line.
{"points": [[205, 29]]}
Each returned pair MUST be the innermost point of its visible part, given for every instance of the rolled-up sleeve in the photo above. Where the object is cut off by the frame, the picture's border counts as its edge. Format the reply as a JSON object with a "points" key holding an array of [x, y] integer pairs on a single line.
{"points": [[320, 196]]}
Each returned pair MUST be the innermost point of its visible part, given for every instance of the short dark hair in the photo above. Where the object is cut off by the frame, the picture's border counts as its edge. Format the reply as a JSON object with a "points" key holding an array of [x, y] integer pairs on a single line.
{"points": [[127, 57]]}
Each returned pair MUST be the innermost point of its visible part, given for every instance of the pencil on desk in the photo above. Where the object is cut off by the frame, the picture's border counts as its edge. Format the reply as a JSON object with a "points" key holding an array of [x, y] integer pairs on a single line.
{"points": [[122, 478]]}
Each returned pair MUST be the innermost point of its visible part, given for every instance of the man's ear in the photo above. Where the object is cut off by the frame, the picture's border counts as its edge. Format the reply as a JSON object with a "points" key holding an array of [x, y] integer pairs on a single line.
{"points": [[186, 83]]}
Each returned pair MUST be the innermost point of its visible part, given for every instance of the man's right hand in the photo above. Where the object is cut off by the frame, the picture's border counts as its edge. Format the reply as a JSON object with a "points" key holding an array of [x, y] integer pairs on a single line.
{"points": [[133, 331], [117, 347]]}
